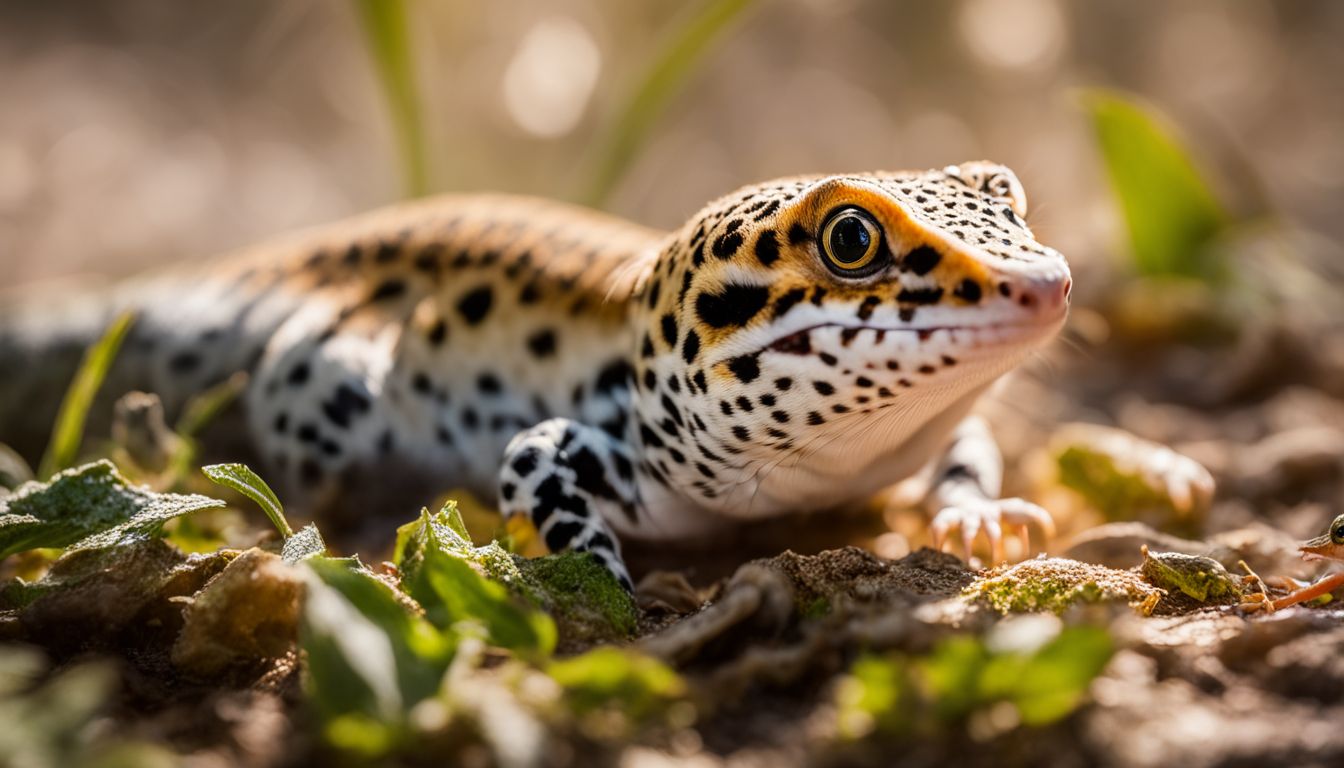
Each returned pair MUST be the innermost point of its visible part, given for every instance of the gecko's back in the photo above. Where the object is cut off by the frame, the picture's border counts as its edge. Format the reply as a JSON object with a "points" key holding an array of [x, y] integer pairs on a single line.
{"points": [[446, 324]]}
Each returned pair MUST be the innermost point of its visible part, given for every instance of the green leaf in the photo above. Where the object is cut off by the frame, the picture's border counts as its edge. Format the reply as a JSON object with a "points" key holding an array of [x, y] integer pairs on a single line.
{"points": [[86, 508], [303, 545], [436, 564], [667, 72], [1056, 678], [386, 28], [241, 478], [370, 658], [1171, 215], [631, 682], [69, 429]]}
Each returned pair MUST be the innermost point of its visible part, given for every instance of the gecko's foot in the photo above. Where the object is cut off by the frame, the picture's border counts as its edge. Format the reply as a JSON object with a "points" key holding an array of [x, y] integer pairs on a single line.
{"points": [[972, 515], [1182, 480]]}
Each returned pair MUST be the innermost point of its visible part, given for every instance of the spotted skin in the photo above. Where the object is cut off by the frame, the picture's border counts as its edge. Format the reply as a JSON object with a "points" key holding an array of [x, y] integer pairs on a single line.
{"points": [[661, 383]]}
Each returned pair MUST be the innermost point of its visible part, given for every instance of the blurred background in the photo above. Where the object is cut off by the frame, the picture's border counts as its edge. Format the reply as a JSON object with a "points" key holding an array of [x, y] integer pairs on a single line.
{"points": [[137, 132]]}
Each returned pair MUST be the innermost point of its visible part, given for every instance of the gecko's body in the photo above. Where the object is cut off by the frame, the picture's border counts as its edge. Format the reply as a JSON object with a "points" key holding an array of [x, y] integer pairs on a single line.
{"points": [[796, 345]]}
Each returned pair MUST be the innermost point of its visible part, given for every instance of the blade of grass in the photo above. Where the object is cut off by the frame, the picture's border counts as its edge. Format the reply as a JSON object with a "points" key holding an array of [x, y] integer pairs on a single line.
{"points": [[1169, 209], [385, 26], [242, 479], [68, 433], [666, 73]]}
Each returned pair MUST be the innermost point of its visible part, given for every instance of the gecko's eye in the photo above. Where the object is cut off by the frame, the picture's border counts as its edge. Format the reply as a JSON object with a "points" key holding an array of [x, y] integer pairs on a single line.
{"points": [[1337, 530], [851, 242]]}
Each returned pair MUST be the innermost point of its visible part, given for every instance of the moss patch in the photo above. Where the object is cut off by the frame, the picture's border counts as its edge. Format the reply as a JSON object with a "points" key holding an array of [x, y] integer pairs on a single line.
{"points": [[1055, 584]]}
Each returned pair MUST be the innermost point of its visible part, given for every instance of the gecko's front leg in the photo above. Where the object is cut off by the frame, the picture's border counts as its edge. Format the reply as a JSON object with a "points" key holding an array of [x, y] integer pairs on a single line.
{"points": [[564, 477], [964, 494]]}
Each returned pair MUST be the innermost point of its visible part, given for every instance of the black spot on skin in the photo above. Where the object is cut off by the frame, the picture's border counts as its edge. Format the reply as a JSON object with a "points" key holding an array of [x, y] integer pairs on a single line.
{"points": [[839, 408], [655, 288], [949, 361], [489, 384], [331, 448], [650, 379], [922, 260], [352, 255], [815, 419], [824, 388], [298, 375], [745, 367], [685, 287], [698, 255], [388, 289], [386, 252], [475, 305], [827, 358], [385, 442], [927, 369], [563, 534], [704, 470], [649, 437], [184, 362], [726, 407], [421, 383], [866, 308], [437, 332], [798, 234], [920, 295], [590, 475], [470, 419], [777, 433], [346, 403], [906, 314], [526, 461], [968, 291], [893, 365], [623, 467], [614, 376], [780, 416], [646, 348], [676, 455], [1005, 290], [786, 302], [691, 347], [615, 426], [768, 400], [670, 330], [733, 306], [726, 245], [699, 379], [307, 433], [783, 383], [768, 211], [673, 383], [767, 248], [818, 294], [427, 260], [281, 425], [744, 403], [542, 343], [507, 490], [847, 336], [741, 433], [672, 410], [530, 294]]}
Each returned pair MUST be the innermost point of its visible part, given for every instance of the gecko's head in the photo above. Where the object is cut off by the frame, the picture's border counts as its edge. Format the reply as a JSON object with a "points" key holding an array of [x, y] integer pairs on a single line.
{"points": [[1328, 546], [807, 307]]}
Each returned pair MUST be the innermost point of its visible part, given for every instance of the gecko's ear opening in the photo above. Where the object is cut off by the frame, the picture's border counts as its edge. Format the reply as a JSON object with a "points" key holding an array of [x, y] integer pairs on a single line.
{"points": [[997, 181]]}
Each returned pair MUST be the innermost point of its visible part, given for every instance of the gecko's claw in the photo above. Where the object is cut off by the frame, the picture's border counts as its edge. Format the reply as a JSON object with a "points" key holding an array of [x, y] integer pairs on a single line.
{"points": [[970, 516]]}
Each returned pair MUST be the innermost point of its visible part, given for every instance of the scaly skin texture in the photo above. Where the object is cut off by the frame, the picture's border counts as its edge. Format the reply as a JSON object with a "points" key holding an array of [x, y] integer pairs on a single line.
{"points": [[604, 379]]}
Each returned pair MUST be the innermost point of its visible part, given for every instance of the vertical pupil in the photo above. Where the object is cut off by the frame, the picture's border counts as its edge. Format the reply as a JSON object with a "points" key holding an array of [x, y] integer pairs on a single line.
{"points": [[850, 239]]}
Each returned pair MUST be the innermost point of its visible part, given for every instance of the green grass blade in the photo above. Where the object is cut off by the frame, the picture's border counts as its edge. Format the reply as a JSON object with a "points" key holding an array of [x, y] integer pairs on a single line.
{"points": [[242, 479], [1169, 209], [385, 27], [666, 73], [69, 430]]}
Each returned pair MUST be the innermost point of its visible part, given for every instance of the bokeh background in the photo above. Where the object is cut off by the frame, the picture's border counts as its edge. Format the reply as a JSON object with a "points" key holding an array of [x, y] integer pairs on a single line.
{"points": [[137, 132]]}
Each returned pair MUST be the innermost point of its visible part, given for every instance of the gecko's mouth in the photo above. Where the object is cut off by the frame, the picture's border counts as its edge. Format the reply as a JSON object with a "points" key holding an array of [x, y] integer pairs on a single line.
{"points": [[984, 335]]}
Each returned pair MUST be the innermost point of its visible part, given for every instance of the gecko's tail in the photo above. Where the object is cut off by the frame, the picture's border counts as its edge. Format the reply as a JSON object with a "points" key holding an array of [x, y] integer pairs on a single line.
{"points": [[189, 331]]}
